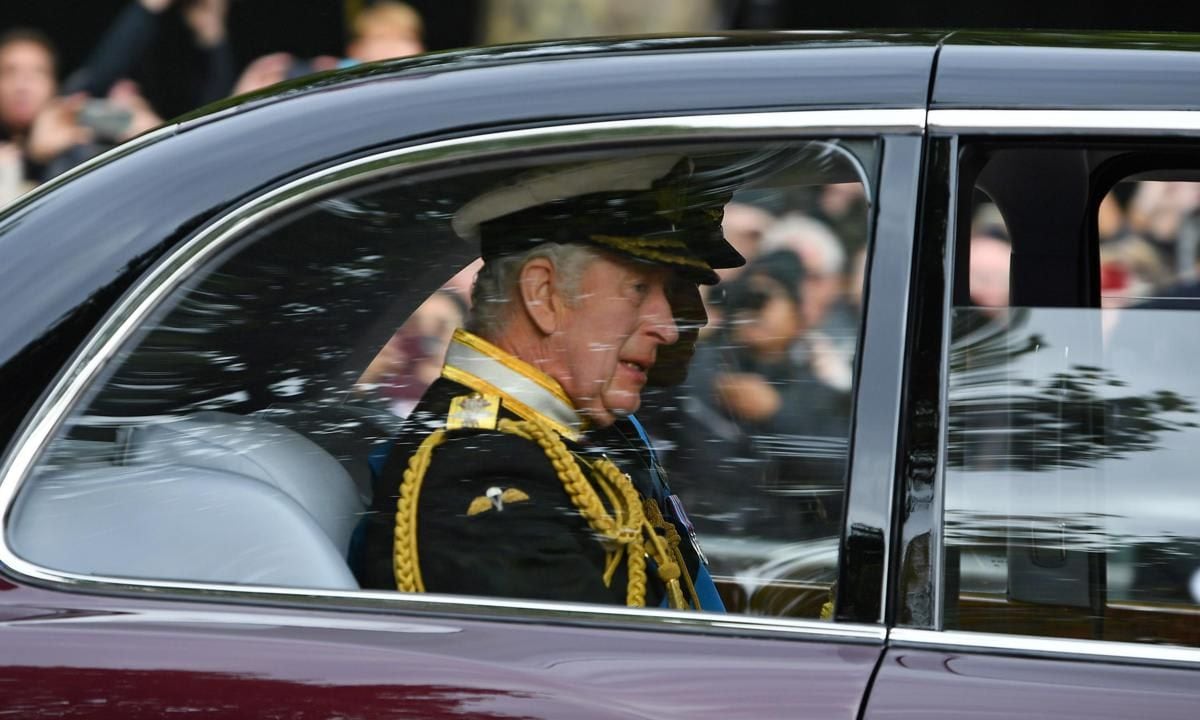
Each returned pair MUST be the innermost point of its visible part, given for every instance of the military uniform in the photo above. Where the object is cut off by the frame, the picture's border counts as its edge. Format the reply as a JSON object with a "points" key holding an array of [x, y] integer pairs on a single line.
{"points": [[478, 497], [495, 487]]}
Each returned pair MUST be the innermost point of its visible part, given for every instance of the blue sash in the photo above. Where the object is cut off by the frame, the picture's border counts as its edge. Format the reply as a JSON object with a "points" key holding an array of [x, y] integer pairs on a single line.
{"points": [[706, 590]]}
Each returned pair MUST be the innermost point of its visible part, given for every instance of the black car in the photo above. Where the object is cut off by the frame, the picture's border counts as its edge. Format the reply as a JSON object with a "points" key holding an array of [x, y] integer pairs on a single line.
{"points": [[944, 468]]}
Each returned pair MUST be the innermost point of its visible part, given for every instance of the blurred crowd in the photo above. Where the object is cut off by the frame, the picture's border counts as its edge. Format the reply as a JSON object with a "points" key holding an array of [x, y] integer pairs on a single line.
{"points": [[759, 426], [1149, 232], [54, 117], [47, 125]]}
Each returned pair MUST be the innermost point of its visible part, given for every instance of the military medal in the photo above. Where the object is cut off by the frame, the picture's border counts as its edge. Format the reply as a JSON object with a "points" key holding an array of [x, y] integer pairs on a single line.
{"points": [[476, 411]]}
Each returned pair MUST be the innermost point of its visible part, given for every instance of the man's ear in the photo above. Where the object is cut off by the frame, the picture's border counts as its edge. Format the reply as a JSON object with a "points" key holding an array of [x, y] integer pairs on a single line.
{"points": [[539, 294]]}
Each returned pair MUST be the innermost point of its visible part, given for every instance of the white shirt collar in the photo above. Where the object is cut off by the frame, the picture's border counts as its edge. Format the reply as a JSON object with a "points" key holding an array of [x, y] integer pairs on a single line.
{"points": [[513, 379]]}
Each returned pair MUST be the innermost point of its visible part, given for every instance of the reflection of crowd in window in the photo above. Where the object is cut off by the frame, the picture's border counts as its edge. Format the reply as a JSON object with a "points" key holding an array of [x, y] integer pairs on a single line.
{"points": [[756, 436]]}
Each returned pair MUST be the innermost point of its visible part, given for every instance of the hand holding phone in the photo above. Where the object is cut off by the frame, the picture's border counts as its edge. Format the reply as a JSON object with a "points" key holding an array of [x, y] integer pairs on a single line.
{"points": [[107, 120]]}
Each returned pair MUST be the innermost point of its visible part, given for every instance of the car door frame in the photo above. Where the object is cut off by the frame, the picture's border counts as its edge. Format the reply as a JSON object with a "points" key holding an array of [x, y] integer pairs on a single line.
{"points": [[927, 668]]}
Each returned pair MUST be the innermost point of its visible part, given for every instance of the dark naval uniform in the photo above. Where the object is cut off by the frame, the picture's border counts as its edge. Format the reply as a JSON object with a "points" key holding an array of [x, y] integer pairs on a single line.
{"points": [[500, 492], [494, 486]]}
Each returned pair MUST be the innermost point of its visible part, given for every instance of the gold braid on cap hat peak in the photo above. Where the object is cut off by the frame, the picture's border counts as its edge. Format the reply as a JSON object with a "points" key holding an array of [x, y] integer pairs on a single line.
{"points": [[627, 530], [644, 249]]}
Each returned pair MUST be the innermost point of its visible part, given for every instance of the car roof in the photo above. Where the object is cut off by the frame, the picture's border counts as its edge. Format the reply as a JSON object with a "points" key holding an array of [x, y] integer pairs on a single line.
{"points": [[1068, 70], [656, 74]]}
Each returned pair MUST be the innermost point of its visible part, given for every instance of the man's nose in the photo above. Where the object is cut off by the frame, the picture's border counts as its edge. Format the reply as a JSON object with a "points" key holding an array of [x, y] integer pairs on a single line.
{"points": [[660, 320]]}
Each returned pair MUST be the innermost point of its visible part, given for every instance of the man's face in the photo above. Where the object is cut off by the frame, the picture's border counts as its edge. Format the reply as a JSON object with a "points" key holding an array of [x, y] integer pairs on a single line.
{"points": [[610, 336], [26, 83]]}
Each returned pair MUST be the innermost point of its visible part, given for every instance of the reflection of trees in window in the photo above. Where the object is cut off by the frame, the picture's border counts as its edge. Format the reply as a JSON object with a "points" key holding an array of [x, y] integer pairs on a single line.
{"points": [[1066, 530], [1066, 420]]}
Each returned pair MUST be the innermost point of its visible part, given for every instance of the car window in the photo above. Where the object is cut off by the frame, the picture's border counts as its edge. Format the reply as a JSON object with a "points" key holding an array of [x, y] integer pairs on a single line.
{"points": [[1073, 407], [248, 432]]}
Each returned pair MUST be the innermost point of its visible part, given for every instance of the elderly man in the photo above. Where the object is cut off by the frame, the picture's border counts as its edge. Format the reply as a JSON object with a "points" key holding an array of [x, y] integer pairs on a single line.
{"points": [[521, 473]]}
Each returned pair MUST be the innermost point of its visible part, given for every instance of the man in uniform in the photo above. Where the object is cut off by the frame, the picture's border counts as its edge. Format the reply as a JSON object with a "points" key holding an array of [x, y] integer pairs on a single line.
{"points": [[522, 472]]}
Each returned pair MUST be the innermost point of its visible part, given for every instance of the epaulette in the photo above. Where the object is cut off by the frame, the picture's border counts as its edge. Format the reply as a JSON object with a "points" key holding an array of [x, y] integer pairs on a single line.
{"points": [[473, 411]]}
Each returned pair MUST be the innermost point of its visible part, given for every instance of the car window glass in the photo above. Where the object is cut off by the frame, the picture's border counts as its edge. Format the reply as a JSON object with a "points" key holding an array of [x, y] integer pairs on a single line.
{"points": [[245, 434], [1069, 455]]}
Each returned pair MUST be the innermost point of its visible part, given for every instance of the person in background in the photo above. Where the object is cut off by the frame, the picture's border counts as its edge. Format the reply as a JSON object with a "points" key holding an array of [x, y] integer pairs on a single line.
{"points": [[828, 345], [744, 226], [822, 256], [991, 254], [28, 83], [385, 30], [100, 105], [843, 207], [746, 391], [382, 31], [1158, 212], [1131, 271], [1110, 219], [71, 130], [28, 66], [126, 44], [412, 360]]}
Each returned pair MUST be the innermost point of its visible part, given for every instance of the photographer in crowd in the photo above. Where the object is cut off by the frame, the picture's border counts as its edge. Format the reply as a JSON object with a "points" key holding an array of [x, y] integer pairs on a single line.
{"points": [[99, 105]]}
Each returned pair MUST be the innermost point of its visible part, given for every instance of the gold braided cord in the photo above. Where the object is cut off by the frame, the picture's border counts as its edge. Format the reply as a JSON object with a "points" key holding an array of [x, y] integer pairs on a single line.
{"points": [[627, 529], [406, 564], [584, 497], [635, 247], [612, 555], [667, 557], [656, 519]]}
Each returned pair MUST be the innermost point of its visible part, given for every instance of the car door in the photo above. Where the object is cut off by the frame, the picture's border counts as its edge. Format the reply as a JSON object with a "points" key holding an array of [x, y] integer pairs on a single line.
{"points": [[1050, 566], [181, 501]]}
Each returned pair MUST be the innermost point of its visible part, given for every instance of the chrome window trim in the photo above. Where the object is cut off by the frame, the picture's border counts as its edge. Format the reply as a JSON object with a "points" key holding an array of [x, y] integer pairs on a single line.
{"points": [[433, 607], [1084, 122], [170, 271], [1044, 646]]}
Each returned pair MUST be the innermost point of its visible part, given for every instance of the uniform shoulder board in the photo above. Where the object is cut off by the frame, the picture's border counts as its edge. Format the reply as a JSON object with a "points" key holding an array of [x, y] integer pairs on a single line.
{"points": [[475, 411]]}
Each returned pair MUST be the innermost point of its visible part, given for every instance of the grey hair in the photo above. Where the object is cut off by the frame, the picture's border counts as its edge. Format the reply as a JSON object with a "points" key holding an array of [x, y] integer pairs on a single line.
{"points": [[796, 232], [496, 284]]}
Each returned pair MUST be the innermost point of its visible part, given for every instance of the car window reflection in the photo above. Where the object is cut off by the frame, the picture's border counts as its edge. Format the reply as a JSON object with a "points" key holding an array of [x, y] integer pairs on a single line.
{"points": [[278, 383], [1071, 431]]}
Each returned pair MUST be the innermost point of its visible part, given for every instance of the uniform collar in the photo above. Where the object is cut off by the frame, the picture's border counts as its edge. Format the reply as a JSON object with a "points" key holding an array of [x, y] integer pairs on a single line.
{"points": [[525, 390]]}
